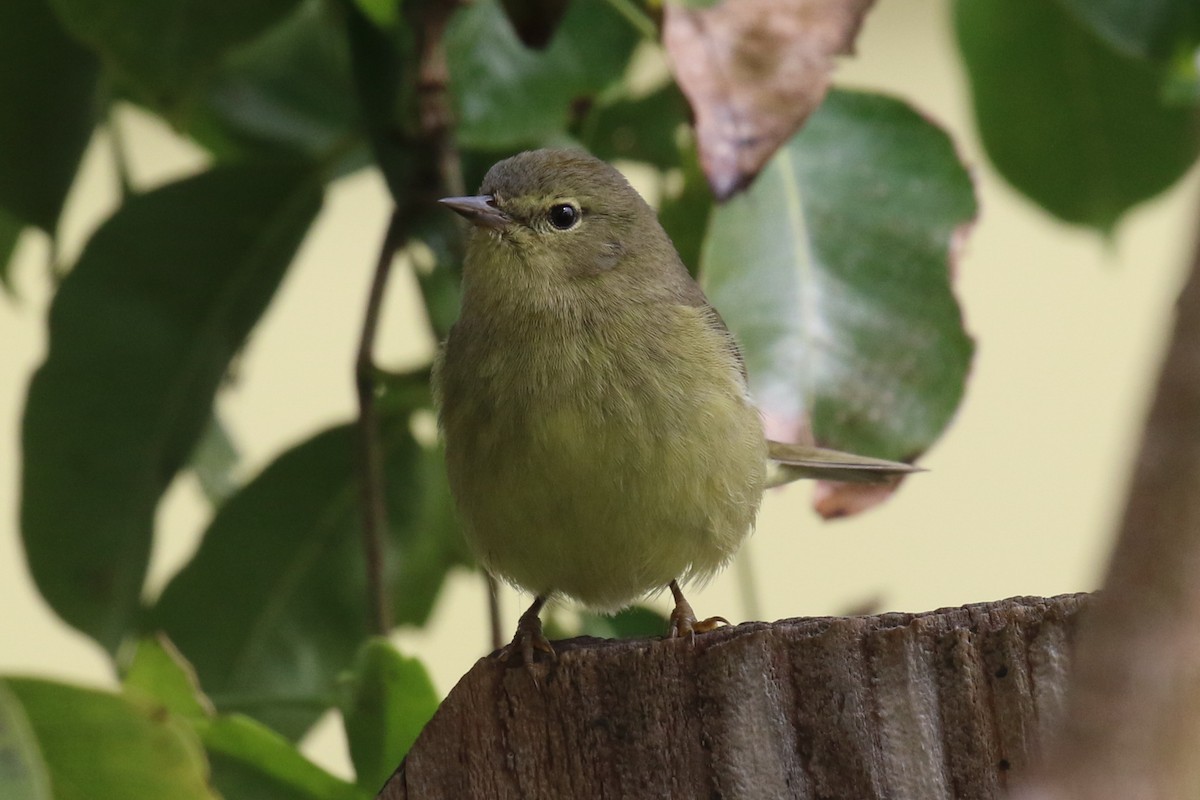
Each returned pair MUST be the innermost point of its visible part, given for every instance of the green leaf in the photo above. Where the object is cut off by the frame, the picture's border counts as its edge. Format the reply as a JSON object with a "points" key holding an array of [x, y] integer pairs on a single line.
{"points": [[426, 542], [686, 208], [508, 95], [631, 623], [248, 760], [288, 90], [833, 273], [141, 333], [436, 246], [639, 129], [1077, 128], [385, 704], [23, 774], [214, 461], [96, 744], [252, 762], [158, 672], [1154, 29], [164, 49], [47, 91], [534, 20], [273, 606], [10, 234], [384, 67], [383, 13]]}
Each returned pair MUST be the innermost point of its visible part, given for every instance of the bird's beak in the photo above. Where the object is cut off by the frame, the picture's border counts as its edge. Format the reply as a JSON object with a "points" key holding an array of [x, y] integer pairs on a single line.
{"points": [[479, 210]]}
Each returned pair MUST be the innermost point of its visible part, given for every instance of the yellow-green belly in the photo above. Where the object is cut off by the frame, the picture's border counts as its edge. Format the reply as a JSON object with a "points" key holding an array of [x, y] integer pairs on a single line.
{"points": [[610, 489]]}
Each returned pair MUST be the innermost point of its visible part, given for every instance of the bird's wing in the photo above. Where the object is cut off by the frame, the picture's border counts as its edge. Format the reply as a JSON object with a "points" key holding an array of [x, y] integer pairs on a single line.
{"points": [[690, 294], [790, 462]]}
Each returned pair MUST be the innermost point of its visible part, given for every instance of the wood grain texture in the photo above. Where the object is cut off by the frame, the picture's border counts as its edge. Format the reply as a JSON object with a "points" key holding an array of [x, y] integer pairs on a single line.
{"points": [[946, 704]]}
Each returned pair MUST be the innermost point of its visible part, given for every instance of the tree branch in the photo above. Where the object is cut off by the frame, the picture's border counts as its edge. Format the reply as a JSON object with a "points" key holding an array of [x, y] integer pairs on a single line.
{"points": [[370, 447], [1133, 727], [435, 119], [951, 703]]}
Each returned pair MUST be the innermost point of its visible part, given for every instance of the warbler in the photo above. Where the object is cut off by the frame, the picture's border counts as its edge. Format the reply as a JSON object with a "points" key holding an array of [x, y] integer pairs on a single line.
{"points": [[601, 443]]}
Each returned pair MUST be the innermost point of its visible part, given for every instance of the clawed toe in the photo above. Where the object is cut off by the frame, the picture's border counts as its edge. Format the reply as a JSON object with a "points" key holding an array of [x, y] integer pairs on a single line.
{"points": [[683, 619], [529, 638]]}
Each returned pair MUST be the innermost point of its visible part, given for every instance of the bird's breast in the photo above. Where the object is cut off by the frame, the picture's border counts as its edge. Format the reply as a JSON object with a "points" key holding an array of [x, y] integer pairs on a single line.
{"points": [[574, 452]]}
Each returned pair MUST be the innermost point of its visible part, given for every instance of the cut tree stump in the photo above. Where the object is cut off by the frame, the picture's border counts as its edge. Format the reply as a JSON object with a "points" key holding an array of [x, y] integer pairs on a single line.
{"points": [[945, 704]]}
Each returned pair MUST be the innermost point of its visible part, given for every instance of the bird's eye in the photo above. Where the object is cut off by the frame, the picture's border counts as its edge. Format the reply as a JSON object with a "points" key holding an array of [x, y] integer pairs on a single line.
{"points": [[564, 216]]}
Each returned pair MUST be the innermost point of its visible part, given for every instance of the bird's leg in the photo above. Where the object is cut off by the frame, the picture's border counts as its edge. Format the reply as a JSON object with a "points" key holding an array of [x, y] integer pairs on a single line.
{"points": [[529, 636], [683, 619]]}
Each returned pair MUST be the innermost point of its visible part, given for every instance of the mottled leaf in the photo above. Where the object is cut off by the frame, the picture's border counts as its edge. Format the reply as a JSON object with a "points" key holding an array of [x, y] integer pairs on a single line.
{"points": [[833, 272], [386, 701], [1077, 128], [1155, 29], [48, 93], [99, 745], [273, 606], [164, 49], [508, 95], [141, 332], [753, 71]]}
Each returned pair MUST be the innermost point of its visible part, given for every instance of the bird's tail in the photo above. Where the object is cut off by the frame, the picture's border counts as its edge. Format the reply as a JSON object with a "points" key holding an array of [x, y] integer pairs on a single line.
{"points": [[792, 462]]}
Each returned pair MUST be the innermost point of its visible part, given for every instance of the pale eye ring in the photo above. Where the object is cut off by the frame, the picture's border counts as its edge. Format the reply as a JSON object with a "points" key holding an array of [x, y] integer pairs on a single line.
{"points": [[564, 216]]}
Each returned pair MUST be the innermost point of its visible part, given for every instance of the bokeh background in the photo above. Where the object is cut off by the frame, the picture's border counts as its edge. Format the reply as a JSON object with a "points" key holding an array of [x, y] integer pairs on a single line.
{"points": [[1023, 490]]}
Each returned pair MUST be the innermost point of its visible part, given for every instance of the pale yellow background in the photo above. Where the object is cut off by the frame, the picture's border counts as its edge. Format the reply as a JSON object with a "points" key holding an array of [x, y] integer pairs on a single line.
{"points": [[1022, 491]]}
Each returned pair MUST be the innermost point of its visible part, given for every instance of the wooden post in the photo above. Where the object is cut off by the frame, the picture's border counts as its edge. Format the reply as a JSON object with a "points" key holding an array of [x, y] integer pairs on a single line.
{"points": [[947, 704]]}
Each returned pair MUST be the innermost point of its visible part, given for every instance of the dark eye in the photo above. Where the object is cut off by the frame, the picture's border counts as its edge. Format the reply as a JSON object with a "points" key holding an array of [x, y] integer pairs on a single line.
{"points": [[564, 216]]}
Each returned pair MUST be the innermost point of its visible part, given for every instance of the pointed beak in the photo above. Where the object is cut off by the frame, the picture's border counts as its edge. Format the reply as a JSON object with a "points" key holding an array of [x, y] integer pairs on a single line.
{"points": [[479, 211]]}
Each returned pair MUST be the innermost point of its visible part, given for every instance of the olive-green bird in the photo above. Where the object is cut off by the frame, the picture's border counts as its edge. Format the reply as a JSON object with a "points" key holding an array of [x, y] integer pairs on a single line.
{"points": [[600, 440]]}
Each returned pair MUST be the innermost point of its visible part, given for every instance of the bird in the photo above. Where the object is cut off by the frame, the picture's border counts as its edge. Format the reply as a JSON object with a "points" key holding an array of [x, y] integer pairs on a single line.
{"points": [[601, 442]]}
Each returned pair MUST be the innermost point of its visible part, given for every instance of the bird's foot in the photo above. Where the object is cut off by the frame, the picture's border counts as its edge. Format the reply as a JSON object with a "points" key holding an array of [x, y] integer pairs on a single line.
{"points": [[683, 619], [529, 637]]}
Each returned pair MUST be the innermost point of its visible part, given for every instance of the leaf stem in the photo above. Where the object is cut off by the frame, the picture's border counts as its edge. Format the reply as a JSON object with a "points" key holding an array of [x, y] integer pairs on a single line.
{"points": [[1136, 655], [636, 17]]}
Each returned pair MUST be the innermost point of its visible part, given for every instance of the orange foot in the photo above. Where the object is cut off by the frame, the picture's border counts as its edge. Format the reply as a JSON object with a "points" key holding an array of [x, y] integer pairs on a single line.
{"points": [[683, 619], [529, 637]]}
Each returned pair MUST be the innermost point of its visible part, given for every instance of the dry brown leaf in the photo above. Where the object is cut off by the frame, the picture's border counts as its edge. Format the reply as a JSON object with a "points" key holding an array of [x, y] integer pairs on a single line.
{"points": [[835, 499], [753, 70]]}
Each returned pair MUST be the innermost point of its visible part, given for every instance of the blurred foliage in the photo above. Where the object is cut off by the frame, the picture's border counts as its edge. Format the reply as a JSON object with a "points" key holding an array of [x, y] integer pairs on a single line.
{"points": [[1152, 29], [834, 268], [48, 90], [1081, 129], [386, 700]]}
